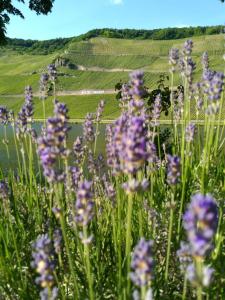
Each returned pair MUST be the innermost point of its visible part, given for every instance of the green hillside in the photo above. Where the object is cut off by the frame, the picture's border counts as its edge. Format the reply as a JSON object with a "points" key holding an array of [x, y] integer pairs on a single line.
{"points": [[99, 63]]}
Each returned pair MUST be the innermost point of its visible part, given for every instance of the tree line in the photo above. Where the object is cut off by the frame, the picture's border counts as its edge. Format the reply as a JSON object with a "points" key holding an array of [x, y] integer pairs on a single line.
{"points": [[50, 46]]}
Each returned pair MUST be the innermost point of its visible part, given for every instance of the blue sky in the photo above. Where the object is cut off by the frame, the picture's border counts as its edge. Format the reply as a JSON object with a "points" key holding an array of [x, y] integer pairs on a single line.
{"points": [[73, 17]]}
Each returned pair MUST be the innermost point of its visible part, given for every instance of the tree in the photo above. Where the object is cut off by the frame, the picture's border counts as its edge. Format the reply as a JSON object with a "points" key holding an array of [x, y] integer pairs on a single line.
{"points": [[7, 9]]}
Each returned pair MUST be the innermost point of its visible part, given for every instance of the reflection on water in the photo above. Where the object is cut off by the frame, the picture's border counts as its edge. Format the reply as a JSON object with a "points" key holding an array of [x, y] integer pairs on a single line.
{"points": [[12, 162]]}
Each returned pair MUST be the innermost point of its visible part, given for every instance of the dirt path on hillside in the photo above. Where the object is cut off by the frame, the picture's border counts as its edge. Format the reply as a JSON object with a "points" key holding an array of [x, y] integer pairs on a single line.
{"points": [[68, 93], [114, 70]]}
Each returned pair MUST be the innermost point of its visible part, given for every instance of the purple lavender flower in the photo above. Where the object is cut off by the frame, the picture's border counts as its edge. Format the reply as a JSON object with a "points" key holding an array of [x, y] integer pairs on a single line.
{"points": [[142, 263], [51, 145], [44, 294], [88, 129], [204, 279], [200, 222], [114, 134], [44, 263], [84, 207], [57, 240], [44, 85], [179, 106], [133, 186], [157, 107], [187, 67], [4, 115], [100, 110], [76, 175], [173, 58], [125, 96], [109, 188], [189, 132], [205, 61], [4, 190], [52, 72], [134, 154], [173, 169], [78, 150], [137, 92], [188, 46], [26, 113], [212, 86], [185, 256]]}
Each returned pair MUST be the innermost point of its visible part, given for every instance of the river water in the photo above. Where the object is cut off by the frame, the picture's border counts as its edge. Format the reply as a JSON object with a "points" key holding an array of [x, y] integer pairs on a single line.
{"points": [[12, 161]]}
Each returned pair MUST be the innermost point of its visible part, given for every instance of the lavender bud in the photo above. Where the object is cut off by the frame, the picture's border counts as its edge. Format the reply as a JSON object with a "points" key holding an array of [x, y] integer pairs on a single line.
{"points": [[189, 132], [200, 222], [84, 207], [142, 263], [173, 169]]}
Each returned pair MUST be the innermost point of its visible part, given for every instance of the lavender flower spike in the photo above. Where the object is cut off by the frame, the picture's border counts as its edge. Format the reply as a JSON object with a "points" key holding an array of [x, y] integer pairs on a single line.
{"points": [[173, 169], [173, 58], [142, 263], [200, 222], [84, 207], [189, 132], [43, 262]]}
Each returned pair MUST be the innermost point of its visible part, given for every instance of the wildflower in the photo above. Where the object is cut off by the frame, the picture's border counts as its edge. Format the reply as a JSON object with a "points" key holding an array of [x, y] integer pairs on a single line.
{"points": [[142, 263], [137, 92], [57, 240], [134, 185], [179, 106], [44, 85], [100, 110], [185, 256], [200, 222], [52, 72], [205, 277], [4, 115], [43, 262], [78, 150], [84, 207], [110, 191], [51, 145], [173, 58], [4, 189], [188, 46], [173, 169], [125, 95], [133, 153], [57, 212], [114, 134], [212, 86], [156, 110], [88, 129], [76, 174], [189, 132], [205, 61]]}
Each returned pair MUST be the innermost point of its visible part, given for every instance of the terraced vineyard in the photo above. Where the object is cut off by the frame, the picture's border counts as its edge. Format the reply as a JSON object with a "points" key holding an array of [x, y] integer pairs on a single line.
{"points": [[98, 64]]}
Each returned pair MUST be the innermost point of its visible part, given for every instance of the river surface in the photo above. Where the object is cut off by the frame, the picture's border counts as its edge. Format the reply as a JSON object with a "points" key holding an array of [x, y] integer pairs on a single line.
{"points": [[12, 161]]}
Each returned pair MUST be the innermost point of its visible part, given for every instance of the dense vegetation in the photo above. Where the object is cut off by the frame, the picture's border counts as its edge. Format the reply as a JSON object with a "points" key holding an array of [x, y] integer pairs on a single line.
{"points": [[154, 34], [50, 46], [7, 8], [36, 47]]}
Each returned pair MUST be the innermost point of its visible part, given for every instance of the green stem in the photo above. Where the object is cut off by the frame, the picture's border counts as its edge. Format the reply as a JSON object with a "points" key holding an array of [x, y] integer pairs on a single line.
{"points": [[169, 241], [88, 265]]}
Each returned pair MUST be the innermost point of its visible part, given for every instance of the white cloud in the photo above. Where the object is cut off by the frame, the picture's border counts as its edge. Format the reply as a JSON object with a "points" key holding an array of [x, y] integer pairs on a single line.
{"points": [[117, 2]]}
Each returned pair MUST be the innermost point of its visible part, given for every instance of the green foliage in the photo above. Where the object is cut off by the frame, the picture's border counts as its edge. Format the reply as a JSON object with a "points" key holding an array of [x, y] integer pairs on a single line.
{"points": [[7, 8], [155, 34]]}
